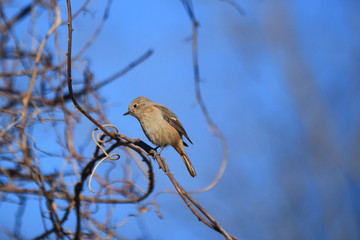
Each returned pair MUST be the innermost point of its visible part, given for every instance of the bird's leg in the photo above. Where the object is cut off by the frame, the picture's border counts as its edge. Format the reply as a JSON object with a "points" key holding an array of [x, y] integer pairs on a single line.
{"points": [[155, 151], [160, 160], [162, 149]]}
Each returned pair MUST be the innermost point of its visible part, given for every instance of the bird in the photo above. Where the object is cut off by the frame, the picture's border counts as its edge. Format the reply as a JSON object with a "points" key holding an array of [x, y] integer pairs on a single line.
{"points": [[161, 126]]}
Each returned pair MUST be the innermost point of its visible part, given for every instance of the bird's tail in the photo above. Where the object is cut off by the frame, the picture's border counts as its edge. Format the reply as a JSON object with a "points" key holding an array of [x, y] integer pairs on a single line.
{"points": [[189, 165]]}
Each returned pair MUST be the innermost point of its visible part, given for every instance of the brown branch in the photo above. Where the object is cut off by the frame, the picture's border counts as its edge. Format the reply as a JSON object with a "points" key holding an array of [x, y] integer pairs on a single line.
{"points": [[32, 82], [69, 77], [195, 207], [87, 171], [40, 102], [119, 142]]}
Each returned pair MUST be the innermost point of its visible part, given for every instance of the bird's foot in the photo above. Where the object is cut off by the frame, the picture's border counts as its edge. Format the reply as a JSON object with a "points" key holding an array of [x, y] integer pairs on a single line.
{"points": [[153, 153]]}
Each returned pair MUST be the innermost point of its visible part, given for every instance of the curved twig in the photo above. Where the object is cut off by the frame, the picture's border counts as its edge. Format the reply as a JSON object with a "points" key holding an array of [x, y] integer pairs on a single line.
{"points": [[34, 75]]}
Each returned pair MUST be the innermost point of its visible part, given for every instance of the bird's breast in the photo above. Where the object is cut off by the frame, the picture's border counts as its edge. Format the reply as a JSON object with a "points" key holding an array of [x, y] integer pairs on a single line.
{"points": [[157, 129]]}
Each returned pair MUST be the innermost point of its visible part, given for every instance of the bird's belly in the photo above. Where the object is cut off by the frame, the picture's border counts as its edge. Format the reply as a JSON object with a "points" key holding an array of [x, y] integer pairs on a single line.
{"points": [[160, 132]]}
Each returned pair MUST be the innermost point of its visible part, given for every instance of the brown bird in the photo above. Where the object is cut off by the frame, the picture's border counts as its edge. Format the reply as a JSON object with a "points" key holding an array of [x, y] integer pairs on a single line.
{"points": [[161, 126]]}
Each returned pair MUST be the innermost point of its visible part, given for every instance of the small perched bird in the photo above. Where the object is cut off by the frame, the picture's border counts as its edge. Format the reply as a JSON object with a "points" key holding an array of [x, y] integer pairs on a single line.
{"points": [[161, 126]]}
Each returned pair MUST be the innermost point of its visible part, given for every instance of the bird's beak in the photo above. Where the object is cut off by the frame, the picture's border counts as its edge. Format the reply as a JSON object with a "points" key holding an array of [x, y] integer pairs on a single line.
{"points": [[127, 113]]}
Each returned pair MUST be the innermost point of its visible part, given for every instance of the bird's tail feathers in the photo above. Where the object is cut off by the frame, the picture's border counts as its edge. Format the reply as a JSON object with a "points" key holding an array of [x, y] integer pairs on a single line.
{"points": [[189, 165]]}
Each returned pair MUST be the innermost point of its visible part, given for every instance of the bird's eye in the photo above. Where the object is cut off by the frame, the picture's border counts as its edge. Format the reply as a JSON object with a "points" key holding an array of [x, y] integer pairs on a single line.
{"points": [[135, 105]]}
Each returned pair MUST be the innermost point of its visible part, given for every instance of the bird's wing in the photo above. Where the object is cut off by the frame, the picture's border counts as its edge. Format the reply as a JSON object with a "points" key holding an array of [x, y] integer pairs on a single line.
{"points": [[174, 121]]}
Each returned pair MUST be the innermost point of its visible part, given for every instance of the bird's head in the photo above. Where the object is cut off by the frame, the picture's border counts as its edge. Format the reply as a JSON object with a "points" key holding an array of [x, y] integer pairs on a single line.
{"points": [[137, 106]]}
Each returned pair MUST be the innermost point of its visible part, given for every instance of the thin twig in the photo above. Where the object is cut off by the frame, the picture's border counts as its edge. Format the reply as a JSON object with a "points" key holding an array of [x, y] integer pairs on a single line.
{"points": [[32, 82]]}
